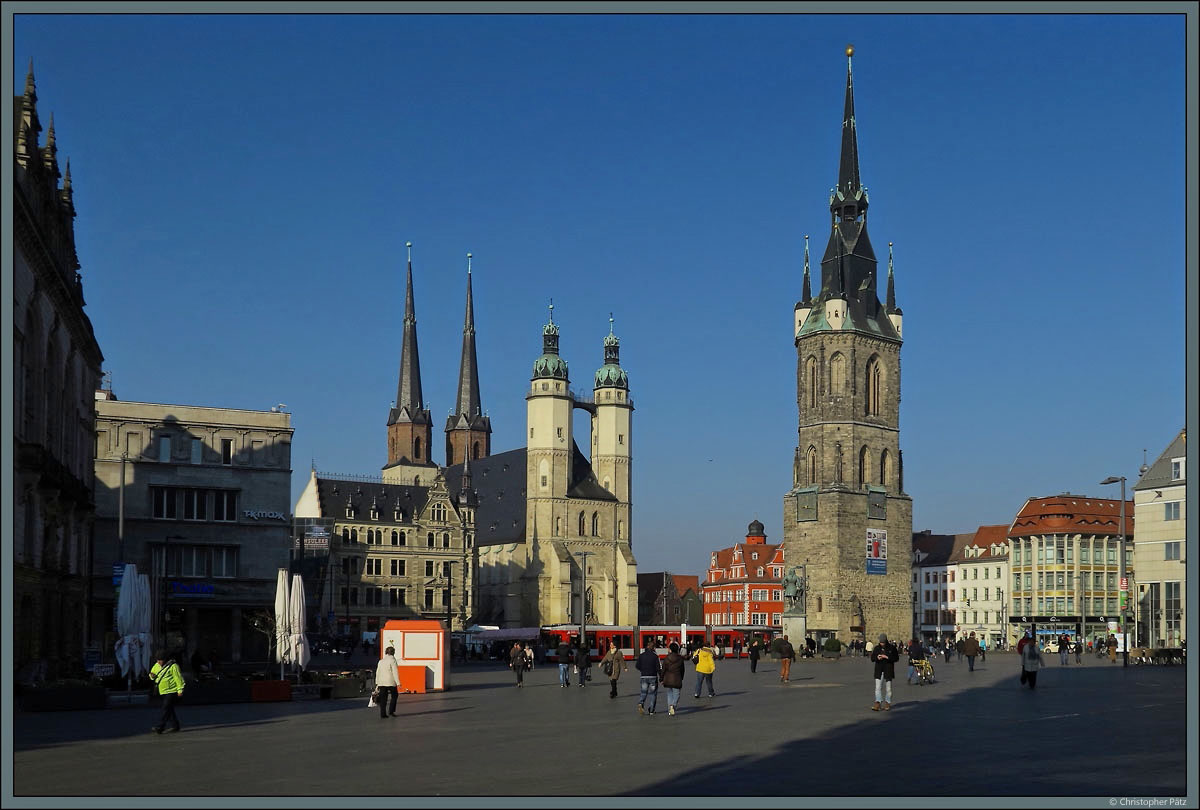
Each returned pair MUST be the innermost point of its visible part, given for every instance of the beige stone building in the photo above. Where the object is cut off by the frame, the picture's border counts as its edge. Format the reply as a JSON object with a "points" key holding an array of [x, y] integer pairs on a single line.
{"points": [[1160, 548], [847, 499], [56, 367], [197, 497]]}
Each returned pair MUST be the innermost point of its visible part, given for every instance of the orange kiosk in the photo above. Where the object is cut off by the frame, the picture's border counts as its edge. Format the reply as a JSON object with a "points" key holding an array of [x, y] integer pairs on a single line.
{"points": [[422, 653]]}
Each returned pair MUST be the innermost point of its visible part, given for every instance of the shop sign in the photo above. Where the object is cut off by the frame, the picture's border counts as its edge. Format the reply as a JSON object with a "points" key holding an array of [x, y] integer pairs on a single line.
{"points": [[191, 589], [263, 514]]}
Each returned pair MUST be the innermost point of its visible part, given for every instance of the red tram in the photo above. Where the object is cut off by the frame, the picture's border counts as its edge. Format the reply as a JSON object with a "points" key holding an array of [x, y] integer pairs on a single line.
{"points": [[630, 638]]}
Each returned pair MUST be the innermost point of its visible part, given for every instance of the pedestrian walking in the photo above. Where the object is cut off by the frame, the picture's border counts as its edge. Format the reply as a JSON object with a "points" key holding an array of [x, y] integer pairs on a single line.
{"points": [[166, 674], [564, 664], [529, 657], [810, 644], [1078, 651], [1112, 648], [982, 650], [885, 655], [583, 662], [970, 650], [756, 647], [672, 677], [958, 650], [787, 654], [516, 661], [613, 664], [650, 670], [1031, 662], [706, 665], [1064, 649], [737, 648], [387, 683]]}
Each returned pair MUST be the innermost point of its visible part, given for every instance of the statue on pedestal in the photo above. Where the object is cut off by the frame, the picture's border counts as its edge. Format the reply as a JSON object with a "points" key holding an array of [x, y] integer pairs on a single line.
{"points": [[793, 591]]}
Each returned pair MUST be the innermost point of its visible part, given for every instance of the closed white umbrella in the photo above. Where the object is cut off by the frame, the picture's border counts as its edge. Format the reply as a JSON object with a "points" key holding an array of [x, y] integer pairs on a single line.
{"points": [[300, 653], [283, 632], [125, 648]]}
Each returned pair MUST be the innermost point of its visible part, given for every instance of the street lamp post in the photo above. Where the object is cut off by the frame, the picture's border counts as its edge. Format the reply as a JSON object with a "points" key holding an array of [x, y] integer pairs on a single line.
{"points": [[1123, 582], [583, 555], [1003, 616]]}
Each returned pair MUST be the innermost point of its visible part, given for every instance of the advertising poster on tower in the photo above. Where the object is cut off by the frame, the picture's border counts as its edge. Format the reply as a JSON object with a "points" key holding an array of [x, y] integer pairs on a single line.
{"points": [[876, 551]]}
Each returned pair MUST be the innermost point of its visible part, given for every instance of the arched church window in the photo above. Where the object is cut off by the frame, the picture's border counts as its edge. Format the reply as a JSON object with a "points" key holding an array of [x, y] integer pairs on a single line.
{"points": [[417, 448], [429, 540], [446, 540], [395, 538], [812, 465], [874, 385], [885, 469], [475, 450], [864, 464], [837, 374], [810, 376], [595, 524], [581, 524]]}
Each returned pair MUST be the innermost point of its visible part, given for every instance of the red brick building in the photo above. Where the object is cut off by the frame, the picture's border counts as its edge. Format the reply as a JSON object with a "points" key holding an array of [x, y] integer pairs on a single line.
{"points": [[744, 582]]}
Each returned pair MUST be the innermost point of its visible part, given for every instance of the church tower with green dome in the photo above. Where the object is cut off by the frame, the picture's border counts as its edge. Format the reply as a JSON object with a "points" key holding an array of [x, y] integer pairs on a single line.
{"points": [[847, 503], [612, 431]]}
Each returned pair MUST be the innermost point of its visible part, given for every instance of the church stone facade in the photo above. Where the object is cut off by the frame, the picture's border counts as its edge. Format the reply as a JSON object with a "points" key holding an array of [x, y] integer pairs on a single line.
{"points": [[523, 537], [847, 503]]}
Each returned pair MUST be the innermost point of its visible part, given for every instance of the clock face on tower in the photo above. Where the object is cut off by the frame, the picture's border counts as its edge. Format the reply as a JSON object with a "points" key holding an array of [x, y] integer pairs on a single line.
{"points": [[806, 504]]}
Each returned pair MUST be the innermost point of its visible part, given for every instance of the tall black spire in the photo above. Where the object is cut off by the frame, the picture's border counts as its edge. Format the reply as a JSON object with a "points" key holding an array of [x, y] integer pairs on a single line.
{"points": [[409, 400], [468, 431], [467, 403], [849, 268], [891, 291], [807, 290]]}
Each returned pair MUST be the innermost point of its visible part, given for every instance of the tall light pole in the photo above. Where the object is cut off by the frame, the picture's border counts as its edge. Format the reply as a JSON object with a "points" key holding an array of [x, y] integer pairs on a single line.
{"points": [[1003, 624], [1123, 582], [583, 555]]}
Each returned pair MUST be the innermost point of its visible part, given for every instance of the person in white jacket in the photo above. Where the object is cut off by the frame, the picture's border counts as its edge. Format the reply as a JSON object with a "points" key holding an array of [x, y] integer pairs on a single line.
{"points": [[387, 679]]}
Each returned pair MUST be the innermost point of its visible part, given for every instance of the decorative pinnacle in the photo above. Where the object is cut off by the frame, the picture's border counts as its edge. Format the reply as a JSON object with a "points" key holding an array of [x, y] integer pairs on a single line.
{"points": [[468, 264], [551, 310], [610, 323], [409, 246], [849, 50]]}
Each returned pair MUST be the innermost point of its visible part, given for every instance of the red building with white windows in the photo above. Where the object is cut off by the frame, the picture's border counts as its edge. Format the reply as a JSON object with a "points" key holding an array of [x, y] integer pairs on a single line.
{"points": [[743, 585]]}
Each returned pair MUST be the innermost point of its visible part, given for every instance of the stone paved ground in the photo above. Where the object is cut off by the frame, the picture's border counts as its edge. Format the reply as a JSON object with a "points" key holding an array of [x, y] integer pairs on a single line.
{"points": [[1093, 730]]}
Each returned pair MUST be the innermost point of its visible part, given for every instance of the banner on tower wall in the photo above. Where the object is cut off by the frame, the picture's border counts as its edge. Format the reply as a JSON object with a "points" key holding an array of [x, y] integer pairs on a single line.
{"points": [[876, 551]]}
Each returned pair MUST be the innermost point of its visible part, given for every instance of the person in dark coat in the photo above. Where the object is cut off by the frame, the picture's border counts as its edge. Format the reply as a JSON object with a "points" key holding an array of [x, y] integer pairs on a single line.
{"points": [[649, 669], [583, 662], [672, 677], [516, 660], [885, 656], [755, 649], [564, 664]]}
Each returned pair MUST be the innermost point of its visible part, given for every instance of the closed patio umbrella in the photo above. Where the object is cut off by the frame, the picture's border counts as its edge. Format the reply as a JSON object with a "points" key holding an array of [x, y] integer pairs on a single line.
{"points": [[300, 653], [142, 625], [128, 647], [283, 632]]}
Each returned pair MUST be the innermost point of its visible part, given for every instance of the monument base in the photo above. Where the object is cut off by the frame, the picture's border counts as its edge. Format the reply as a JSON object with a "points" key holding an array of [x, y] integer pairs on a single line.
{"points": [[795, 628]]}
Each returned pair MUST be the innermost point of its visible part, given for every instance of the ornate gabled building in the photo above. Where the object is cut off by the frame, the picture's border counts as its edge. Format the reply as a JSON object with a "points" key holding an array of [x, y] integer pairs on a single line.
{"points": [[1160, 550], [57, 366], [521, 524], [847, 497], [744, 582]]}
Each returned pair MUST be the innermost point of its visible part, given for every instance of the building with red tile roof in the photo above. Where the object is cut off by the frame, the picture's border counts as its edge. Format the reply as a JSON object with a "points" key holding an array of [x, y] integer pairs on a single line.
{"points": [[744, 583]]}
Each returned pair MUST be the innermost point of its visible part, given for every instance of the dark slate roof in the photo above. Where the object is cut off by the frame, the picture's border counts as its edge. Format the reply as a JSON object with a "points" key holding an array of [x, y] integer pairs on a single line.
{"points": [[334, 494], [1159, 473], [936, 547], [499, 480]]}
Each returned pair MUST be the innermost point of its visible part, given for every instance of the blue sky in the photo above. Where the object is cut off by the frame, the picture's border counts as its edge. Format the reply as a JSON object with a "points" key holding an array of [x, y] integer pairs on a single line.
{"points": [[245, 186]]}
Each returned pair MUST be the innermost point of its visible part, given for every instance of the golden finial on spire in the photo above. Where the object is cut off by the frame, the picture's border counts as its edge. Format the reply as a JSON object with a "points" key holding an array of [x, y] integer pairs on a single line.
{"points": [[849, 50]]}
